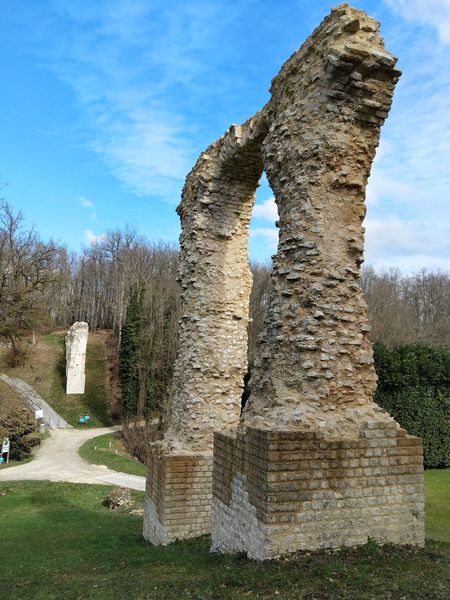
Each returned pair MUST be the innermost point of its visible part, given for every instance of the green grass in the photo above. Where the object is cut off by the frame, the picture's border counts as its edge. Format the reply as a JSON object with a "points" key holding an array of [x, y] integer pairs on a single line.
{"points": [[437, 504], [98, 451], [58, 541], [15, 463]]}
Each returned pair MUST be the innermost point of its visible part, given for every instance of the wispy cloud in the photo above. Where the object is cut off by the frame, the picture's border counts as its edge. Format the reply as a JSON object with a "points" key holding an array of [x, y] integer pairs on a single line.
{"points": [[93, 238], [435, 13], [86, 203], [408, 195], [269, 234], [407, 243], [135, 68]]}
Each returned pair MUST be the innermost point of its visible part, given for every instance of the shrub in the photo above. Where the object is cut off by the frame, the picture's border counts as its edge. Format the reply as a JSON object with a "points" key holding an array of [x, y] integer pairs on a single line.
{"points": [[20, 429], [15, 356], [414, 387]]}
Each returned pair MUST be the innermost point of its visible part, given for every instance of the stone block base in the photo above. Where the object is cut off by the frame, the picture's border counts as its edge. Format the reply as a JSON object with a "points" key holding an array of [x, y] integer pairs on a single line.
{"points": [[276, 492], [178, 496]]}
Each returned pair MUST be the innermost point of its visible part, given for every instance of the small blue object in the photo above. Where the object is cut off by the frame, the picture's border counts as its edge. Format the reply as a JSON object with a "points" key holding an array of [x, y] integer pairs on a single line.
{"points": [[86, 417], [82, 420]]}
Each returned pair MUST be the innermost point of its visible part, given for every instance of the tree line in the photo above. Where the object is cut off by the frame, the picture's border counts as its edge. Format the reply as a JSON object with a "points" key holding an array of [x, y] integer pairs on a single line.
{"points": [[127, 284]]}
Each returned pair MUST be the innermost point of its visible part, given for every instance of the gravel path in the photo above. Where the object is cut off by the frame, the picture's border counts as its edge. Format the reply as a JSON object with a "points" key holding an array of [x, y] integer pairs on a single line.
{"points": [[35, 402], [57, 459]]}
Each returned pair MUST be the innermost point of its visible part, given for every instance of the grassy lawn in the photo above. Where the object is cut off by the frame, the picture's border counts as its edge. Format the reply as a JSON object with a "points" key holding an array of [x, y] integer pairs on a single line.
{"points": [[98, 451], [45, 372], [58, 541], [437, 503]]}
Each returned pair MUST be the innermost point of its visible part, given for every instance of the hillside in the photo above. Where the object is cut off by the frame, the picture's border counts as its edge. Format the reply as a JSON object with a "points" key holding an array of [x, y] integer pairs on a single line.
{"points": [[44, 370], [10, 401]]}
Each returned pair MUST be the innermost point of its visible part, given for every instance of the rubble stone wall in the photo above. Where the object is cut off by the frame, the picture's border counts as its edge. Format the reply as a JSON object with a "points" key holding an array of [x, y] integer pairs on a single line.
{"points": [[279, 492], [313, 380], [215, 279], [76, 343], [178, 496], [314, 364]]}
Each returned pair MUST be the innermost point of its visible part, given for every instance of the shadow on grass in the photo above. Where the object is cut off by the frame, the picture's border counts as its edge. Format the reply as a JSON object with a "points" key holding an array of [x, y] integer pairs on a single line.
{"points": [[59, 541]]}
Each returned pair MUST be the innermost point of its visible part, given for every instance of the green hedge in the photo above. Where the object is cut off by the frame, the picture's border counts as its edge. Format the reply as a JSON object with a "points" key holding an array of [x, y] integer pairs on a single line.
{"points": [[414, 387]]}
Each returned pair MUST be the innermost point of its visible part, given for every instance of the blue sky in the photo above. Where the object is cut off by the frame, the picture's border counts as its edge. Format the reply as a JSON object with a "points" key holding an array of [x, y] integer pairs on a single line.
{"points": [[105, 106]]}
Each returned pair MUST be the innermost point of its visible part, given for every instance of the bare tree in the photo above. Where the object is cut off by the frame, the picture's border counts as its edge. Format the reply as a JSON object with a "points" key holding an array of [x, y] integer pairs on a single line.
{"points": [[26, 269], [407, 309]]}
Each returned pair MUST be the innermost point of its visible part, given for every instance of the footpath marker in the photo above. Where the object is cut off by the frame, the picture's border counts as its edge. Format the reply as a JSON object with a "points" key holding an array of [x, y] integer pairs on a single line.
{"points": [[5, 448]]}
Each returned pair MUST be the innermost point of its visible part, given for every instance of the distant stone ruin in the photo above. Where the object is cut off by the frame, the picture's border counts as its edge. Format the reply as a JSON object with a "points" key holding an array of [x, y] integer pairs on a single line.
{"points": [[76, 342], [313, 462]]}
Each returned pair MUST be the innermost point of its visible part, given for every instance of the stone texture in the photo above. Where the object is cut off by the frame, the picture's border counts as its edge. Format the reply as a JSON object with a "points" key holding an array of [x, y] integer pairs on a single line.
{"points": [[276, 492], [76, 342], [178, 496], [313, 377], [215, 278], [314, 364]]}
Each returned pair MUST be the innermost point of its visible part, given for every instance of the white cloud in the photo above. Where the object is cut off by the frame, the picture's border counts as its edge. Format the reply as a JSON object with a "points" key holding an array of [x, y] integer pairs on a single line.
{"points": [[268, 233], [135, 69], [383, 187], [408, 194], [407, 243], [92, 238], [426, 12], [86, 203], [267, 210]]}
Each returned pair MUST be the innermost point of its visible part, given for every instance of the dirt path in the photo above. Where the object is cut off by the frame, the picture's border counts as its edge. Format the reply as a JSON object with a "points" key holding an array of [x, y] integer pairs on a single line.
{"points": [[57, 459]]}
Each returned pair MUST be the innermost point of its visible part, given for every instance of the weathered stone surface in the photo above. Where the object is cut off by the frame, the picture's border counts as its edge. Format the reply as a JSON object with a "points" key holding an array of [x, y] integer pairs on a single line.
{"points": [[314, 366], [278, 492], [313, 377], [215, 279], [178, 496], [76, 342]]}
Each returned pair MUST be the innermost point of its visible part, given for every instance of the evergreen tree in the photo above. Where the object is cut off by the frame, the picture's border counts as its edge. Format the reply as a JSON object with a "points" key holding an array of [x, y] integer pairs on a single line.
{"points": [[130, 347]]}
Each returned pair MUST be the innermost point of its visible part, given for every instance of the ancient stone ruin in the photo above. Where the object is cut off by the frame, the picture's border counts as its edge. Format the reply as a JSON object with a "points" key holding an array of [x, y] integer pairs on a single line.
{"points": [[312, 462], [76, 342]]}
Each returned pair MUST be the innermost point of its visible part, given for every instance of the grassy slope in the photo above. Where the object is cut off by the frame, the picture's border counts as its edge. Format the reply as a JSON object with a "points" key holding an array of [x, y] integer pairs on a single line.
{"points": [[59, 541], [98, 451], [437, 503], [10, 401], [45, 371]]}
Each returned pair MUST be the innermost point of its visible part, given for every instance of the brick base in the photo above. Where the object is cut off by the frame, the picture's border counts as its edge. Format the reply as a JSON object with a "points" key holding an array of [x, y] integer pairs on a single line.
{"points": [[178, 496], [277, 492]]}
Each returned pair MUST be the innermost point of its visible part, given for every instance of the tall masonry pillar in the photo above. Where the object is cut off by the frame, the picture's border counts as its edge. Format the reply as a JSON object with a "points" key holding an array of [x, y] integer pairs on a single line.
{"points": [[215, 281], [315, 463], [76, 343]]}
